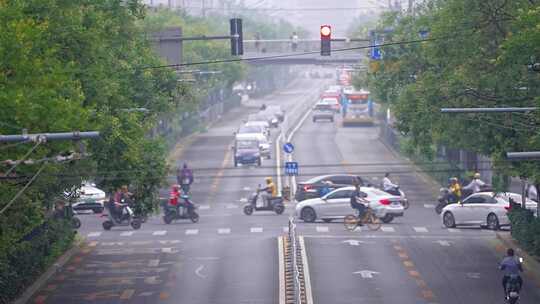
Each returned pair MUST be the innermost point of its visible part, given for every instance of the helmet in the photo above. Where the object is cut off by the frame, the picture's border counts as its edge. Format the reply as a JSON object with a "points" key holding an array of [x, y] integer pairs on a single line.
{"points": [[453, 180], [476, 175], [268, 179]]}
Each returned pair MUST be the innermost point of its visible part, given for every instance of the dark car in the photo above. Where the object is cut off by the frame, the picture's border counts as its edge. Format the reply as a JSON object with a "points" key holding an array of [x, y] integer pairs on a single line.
{"points": [[247, 152], [311, 188], [322, 112]]}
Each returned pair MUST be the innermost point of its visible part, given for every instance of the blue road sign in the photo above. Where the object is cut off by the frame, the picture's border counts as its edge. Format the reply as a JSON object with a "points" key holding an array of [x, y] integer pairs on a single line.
{"points": [[288, 147], [291, 168]]}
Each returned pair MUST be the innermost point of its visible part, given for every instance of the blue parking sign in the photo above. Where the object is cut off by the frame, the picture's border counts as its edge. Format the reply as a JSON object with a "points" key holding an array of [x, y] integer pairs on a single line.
{"points": [[291, 168]]}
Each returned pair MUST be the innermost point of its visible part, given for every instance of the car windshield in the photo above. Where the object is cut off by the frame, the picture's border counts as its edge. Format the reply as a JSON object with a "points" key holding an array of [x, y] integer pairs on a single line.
{"points": [[250, 129], [247, 144]]}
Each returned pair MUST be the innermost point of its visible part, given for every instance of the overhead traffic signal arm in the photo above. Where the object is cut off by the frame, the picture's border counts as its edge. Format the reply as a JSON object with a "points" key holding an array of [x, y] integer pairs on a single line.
{"points": [[237, 39]]}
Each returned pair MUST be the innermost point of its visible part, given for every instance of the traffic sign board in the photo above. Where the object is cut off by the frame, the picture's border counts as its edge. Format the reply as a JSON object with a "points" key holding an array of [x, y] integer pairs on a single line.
{"points": [[288, 147], [291, 168]]}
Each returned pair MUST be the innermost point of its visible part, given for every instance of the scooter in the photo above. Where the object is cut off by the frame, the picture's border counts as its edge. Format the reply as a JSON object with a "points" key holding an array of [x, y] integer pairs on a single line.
{"points": [[172, 213], [404, 201], [127, 218], [274, 204], [512, 290]]}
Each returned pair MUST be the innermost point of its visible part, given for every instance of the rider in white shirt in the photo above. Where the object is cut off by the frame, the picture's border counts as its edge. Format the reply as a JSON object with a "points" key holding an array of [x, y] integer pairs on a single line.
{"points": [[388, 186], [476, 184]]}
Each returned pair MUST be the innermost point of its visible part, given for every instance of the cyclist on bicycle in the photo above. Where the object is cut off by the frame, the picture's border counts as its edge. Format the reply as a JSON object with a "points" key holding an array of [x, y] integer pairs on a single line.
{"points": [[357, 202]]}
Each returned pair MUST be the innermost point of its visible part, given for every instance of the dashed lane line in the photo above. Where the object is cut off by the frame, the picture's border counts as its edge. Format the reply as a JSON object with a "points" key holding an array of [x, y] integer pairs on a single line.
{"points": [[224, 230], [420, 229], [192, 231], [126, 233], [160, 232]]}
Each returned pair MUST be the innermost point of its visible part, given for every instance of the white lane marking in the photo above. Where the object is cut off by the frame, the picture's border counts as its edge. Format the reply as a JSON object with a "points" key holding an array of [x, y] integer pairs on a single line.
{"points": [[473, 275], [204, 207], [454, 230], [231, 206], [169, 250], [278, 163], [112, 243], [443, 243], [246, 188], [198, 272], [420, 229], [243, 200], [366, 274], [256, 229], [192, 231], [126, 233], [159, 232], [94, 234], [92, 244], [281, 271], [388, 229], [153, 263], [322, 229], [138, 243], [307, 278], [224, 230], [430, 206], [169, 242]]}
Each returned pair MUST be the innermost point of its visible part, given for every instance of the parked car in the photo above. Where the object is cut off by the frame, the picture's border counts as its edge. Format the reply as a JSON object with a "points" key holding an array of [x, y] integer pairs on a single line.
{"points": [[322, 112], [337, 205], [89, 197], [485, 209], [311, 188]]}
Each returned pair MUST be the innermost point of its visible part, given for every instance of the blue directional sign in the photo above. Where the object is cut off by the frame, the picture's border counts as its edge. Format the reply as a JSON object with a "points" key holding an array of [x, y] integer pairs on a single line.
{"points": [[288, 147], [291, 168]]}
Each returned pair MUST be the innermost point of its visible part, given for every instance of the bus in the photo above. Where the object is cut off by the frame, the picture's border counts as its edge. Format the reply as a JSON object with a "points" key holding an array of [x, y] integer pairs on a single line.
{"points": [[358, 109]]}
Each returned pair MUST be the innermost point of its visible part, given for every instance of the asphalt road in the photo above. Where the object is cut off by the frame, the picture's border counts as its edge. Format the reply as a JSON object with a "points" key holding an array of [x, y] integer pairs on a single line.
{"points": [[229, 257]]}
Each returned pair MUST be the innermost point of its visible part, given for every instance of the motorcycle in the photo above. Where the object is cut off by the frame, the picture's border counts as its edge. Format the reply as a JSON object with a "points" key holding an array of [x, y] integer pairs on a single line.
{"points": [[404, 201], [512, 289], [126, 218], [274, 204], [139, 211], [172, 213], [445, 197]]}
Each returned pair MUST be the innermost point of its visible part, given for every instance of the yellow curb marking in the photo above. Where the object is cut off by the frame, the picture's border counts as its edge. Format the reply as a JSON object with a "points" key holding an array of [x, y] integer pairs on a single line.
{"points": [[163, 295], [408, 264]]}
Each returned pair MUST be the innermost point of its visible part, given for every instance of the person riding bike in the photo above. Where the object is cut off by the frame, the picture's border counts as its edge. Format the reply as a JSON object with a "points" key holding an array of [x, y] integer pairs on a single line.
{"points": [[388, 186], [184, 177], [511, 266], [357, 202], [455, 190], [476, 184], [269, 191]]}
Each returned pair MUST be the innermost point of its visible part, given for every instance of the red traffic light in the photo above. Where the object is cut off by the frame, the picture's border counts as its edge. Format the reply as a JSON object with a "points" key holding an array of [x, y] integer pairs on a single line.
{"points": [[326, 31]]}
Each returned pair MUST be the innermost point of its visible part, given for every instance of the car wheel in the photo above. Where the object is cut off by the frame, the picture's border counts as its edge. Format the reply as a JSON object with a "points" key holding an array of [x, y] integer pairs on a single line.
{"points": [[387, 218], [327, 220], [492, 222], [107, 225], [308, 215], [448, 220]]}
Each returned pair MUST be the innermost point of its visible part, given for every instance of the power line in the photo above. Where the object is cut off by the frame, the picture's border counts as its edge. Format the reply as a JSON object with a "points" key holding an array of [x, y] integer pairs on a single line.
{"points": [[23, 158], [23, 189], [290, 54]]}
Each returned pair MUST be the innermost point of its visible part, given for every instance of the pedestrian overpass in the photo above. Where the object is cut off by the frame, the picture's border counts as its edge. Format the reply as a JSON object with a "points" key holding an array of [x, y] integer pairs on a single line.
{"points": [[307, 51]]}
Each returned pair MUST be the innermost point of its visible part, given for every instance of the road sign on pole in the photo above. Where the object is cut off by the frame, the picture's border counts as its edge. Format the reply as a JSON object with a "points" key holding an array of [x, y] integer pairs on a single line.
{"points": [[291, 168], [288, 147]]}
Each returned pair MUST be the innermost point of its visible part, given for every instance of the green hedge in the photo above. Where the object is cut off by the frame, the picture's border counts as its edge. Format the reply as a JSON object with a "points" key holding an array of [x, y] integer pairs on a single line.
{"points": [[27, 259], [526, 230]]}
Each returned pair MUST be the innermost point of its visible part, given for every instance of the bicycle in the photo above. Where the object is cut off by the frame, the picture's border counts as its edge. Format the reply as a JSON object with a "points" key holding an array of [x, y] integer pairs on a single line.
{"points": [[352, 221]]}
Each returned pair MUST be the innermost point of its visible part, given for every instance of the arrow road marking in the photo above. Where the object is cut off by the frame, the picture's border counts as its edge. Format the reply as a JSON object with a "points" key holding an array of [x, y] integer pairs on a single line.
{"points": [[198, 272], [366, 274], [353, 242], [443, 243], [473, 275]]}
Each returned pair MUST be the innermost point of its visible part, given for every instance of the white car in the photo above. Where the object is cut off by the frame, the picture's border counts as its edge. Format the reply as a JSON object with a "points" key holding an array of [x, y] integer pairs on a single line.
{"points": [[259, 123], [264, 143], [482, 209], [337, 205], [89, 198]]}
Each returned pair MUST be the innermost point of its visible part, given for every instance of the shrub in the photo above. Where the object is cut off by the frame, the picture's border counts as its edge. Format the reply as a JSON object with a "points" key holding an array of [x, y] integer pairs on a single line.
{"points": [[526, 230]]}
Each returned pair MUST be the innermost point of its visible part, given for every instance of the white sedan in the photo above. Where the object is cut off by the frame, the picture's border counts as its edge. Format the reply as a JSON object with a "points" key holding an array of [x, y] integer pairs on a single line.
{"points": [[337, 205], [89, 198], [482, 209]]}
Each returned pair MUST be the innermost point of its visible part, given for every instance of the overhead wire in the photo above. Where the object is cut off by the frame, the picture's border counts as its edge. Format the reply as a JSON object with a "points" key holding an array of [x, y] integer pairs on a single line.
{"points": [[23, 158], [23, 189]]}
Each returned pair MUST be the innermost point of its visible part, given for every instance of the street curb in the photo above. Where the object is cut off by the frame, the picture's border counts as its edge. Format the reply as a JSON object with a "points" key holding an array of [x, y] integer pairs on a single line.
{"points": [[52, 270], [530, 263]]}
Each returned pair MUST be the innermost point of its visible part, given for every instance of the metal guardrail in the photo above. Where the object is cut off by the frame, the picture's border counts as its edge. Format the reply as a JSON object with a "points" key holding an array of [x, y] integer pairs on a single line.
{"points": [[295, 285]]}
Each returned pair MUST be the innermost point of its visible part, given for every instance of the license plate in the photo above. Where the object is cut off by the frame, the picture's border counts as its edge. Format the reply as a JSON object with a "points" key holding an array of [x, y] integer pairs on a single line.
{"points": [[396, 203]]}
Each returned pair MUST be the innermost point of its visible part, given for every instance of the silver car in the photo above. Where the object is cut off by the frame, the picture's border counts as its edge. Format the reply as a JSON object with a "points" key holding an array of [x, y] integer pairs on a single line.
{"points": [[337, 205]]}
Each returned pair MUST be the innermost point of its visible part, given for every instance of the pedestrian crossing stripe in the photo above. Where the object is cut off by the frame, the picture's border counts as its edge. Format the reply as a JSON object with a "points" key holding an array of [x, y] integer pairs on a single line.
{"points": [[453, 230], [256, 229], [322, 229], [204, 207], [420, 229], [224, 230], [192, 231], [429, 206], [94, 234], [160, 232], [126, 233], [388, 229]]}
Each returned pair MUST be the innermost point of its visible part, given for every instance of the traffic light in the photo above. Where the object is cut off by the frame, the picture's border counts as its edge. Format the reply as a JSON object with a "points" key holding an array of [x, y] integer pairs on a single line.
{"points": [[237, 42], [326, 39]]}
